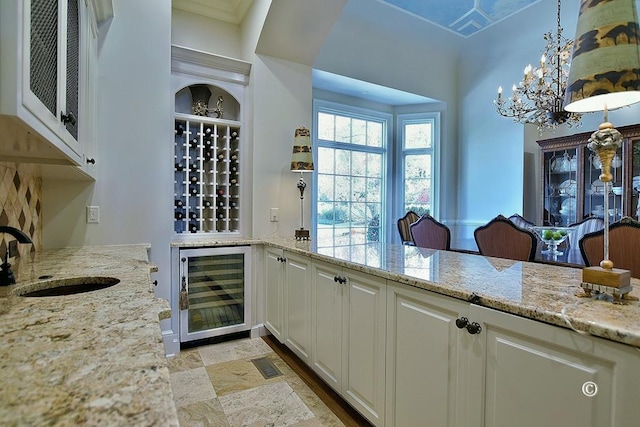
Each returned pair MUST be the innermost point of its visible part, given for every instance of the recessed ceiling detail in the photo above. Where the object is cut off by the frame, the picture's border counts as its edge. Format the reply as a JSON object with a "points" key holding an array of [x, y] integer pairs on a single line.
{"points": [[463, 17]]}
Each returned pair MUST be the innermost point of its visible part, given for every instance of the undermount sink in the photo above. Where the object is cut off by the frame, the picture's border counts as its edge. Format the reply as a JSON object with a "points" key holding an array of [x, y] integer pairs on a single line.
{"points": [[68, 286]]}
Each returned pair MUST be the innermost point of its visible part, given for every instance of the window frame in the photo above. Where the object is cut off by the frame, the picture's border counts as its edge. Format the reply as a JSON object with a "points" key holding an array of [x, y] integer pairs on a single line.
{"points": [[386, 119], [401, 152]]}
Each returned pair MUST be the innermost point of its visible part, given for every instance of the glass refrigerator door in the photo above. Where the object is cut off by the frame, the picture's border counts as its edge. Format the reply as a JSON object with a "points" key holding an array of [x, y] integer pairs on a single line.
{"points": [[214, 292]]}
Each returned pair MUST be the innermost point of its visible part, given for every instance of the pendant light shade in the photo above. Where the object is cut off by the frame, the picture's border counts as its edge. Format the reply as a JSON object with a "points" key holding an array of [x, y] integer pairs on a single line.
{"points": [[605, 68]]}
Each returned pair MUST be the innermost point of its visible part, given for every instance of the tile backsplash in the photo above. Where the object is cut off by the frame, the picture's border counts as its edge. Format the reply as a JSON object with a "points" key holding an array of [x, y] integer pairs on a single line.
{"points": [[21, 203]]}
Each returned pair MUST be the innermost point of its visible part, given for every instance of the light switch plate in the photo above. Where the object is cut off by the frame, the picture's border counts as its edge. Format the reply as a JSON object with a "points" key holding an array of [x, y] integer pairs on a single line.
{"points": [[93, 214], [274, 215]]}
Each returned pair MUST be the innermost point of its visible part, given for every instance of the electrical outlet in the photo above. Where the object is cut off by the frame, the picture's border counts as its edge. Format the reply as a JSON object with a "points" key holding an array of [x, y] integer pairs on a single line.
{"points": [[93, 214], [274, 215]]}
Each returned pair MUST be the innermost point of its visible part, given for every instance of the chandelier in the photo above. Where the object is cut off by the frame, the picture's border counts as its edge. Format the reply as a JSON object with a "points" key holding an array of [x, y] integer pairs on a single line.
{"points": [[538, 98]]}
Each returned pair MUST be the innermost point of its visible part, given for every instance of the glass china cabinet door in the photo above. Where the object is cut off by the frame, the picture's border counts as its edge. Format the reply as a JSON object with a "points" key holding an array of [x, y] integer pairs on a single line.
{"points": [[560, 184], [635, 179], [594, 188]]}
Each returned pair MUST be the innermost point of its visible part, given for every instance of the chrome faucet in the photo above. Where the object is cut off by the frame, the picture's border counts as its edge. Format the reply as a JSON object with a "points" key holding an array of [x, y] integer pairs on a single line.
{"points": [[6, 275]]}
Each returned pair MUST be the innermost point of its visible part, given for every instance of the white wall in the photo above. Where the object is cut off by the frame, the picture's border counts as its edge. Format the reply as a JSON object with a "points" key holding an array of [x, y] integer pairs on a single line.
{"points": [[378, 52], [205, 34], [133, 186]]}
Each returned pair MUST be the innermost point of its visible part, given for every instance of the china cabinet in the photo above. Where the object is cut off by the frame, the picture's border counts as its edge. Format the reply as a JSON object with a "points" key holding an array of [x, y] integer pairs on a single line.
{"points": [[571, 188]]}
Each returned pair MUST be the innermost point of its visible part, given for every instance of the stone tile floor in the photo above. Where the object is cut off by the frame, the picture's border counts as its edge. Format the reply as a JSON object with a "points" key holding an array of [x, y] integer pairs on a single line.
{"points": [[218, 385]]}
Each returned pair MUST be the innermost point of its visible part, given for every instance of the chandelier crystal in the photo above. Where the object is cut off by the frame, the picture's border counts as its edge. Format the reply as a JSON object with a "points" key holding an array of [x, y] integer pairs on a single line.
{"points": [[538, 98]]}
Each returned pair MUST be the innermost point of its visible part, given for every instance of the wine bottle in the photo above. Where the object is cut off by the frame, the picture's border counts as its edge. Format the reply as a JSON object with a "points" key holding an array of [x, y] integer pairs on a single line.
{"points": [[220, 156], [179, 203], [194, 179], [194, 143], [193, 215], [193, 227], [207, 131], [232, 204], [234, 135], [179, 167], [234, 157], [220, 192], [179, 130], [207, 204], [179, 215], [220, 203], [220, 215], [193, 166], [234, 169], [233, 181], [193, 190]]}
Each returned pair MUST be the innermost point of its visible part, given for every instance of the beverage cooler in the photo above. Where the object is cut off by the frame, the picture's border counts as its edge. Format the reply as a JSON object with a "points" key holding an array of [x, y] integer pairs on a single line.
{"points": [[213, 291]]}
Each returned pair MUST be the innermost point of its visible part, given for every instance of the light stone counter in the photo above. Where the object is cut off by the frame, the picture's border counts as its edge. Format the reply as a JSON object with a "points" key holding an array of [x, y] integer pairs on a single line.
{"points": [[94, 358], [536, 291]]}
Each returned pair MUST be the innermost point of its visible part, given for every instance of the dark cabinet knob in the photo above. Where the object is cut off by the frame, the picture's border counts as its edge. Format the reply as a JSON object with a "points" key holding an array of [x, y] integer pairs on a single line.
{"points": [[462, 322], [91, 160], [335, 279], [155, 283], [474, 328]]}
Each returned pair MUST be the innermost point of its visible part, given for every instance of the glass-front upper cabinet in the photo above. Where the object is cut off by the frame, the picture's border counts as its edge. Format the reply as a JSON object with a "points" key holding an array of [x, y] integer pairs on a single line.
{"points": [[561, 185], [571, 187]]}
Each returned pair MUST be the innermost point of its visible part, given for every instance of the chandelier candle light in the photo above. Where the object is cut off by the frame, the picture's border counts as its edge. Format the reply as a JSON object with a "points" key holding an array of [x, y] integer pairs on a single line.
{"points": [[538, 98], [302, 161], [605, 74]]}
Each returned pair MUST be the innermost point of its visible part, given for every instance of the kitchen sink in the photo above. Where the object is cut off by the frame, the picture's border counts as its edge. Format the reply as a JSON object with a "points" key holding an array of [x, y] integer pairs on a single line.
{"points": [[68, 286]]}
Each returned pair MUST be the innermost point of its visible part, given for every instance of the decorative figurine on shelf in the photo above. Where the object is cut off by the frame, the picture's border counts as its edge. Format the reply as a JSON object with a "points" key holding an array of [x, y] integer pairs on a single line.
{"points": [[200, 95], [218, 110]]}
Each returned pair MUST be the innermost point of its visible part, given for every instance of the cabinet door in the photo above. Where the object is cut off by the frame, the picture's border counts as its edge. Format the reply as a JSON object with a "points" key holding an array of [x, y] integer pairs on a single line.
{"points": [[560, 170], [274, 294], [363, 345], [51, 72], [298, 305], [423, 349], [537, 374], [327, 324]]}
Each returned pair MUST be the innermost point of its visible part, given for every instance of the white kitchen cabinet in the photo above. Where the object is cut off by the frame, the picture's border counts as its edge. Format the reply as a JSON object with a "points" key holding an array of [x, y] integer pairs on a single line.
{"points": [[274, 292], [288, 300], [527, 373], [47, 79], [424, 347], [509, 371], [348, 336]]}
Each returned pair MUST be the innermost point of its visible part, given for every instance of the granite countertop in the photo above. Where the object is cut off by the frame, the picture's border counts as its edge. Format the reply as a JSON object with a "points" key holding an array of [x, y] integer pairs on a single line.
{"points": [[542, 292], [94, 358]]}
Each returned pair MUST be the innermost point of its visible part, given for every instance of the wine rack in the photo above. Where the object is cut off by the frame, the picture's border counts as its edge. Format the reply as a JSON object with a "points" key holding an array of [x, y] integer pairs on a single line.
{"points": [[206, 175]]}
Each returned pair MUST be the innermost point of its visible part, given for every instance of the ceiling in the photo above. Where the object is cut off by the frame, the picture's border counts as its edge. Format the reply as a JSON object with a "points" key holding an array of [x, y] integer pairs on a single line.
{"points": [[461, 17]]}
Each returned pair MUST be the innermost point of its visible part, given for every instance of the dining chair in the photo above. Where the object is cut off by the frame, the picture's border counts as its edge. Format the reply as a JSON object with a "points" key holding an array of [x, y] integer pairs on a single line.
{"points": [[403, 227], [520, 221], [501, 238], [587, 225], [624, 246], [427, 232]]}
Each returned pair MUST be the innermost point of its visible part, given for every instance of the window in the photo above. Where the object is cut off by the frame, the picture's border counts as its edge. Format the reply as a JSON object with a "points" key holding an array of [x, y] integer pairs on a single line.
{"points": [[357, 163], [418, 133], [350, 175]]}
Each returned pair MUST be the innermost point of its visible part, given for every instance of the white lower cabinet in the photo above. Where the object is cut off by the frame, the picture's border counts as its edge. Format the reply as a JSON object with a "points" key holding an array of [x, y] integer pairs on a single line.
{"points": [[274, 292], [424, 348], [527, 373], [442, 370], [288, 300], [348, 336]]}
